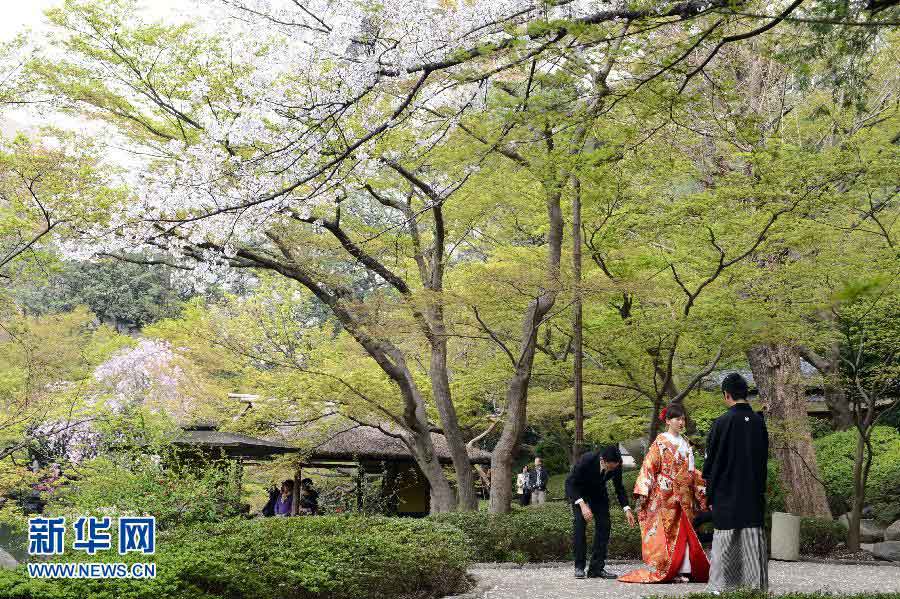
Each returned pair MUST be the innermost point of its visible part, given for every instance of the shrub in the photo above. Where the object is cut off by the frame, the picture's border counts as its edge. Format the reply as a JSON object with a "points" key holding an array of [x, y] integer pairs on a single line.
{"points": [[885, 499], [819, 536], [556, 486], [536, 534], [176, 492], [554, 453], [532, 534], [820, 427], [272, 558], [835, 455]]}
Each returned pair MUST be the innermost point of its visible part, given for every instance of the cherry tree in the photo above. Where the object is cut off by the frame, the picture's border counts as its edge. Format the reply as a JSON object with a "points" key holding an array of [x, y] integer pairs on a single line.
{"points": [[148, 374], [263, 127]]}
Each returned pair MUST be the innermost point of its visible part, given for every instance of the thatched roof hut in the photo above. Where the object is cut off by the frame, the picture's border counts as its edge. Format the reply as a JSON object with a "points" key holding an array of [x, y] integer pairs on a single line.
{"points": [[206, 438], [345, 443], [361, 442], [368, 449]]}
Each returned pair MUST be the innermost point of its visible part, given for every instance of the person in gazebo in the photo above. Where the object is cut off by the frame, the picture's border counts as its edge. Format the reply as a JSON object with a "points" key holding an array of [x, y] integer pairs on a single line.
{"points": [[670, 491], [309, 498], [269, 509], [285, 500]]}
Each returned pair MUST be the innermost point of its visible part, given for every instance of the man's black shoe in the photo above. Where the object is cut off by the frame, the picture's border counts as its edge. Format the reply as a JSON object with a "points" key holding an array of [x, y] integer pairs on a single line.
{"points": [[602, 574], [579, 573]]}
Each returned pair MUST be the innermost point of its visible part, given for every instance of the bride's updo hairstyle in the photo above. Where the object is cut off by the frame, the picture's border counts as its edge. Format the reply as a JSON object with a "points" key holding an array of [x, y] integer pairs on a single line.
{"points": [[673, 410]]}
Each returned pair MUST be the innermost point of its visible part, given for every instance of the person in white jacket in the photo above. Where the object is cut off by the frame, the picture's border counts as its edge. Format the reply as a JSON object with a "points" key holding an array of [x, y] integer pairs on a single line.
{"points": [[523, 486]]}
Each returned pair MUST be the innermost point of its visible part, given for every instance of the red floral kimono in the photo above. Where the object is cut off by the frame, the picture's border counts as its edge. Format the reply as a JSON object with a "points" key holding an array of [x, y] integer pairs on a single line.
{"points": [[674, 491]]}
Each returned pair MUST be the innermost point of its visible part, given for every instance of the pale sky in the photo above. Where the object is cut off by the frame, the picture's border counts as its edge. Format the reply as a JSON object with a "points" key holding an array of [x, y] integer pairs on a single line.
{"points": [[19, 14]]}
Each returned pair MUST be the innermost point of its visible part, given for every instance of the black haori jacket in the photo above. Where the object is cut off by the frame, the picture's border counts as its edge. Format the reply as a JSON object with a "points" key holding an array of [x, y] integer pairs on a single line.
{"points": [[588, 481], [737, 449]]}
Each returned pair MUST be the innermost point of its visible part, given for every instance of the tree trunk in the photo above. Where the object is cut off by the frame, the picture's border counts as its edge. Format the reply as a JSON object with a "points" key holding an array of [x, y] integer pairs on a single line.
{"points": [[443, 499], [859, 496], [417, 432], [776, 369], [517, 389], [669, 390], [436, 332], [508, 445], [516, 401], [440, 386], [835, 396], [578, 355]]}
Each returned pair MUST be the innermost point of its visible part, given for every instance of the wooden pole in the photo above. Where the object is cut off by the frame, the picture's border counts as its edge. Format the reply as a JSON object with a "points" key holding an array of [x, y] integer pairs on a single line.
{"points": [[295, 501], [577, 323], [239, 479], [359, 483]]}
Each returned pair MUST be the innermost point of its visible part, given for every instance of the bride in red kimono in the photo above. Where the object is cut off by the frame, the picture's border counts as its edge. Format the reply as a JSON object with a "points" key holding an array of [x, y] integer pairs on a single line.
{"points": [[669, 492]]}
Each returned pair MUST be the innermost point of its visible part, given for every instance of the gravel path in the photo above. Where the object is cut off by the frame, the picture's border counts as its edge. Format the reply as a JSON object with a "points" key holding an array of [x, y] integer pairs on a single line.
{"points": [[558, 582]]}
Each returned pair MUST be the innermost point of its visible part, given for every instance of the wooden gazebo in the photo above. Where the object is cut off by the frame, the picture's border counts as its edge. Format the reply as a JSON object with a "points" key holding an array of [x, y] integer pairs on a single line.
{"points": [[367, 449], [206, 438], [376, 450]]}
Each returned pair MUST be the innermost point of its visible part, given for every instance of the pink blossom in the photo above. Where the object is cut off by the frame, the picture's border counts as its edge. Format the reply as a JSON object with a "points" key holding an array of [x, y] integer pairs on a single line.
{"points": [[149, 374]]}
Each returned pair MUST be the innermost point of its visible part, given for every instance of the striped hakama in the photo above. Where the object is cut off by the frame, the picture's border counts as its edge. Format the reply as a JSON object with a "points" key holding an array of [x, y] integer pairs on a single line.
{"points": [[740, 560]]}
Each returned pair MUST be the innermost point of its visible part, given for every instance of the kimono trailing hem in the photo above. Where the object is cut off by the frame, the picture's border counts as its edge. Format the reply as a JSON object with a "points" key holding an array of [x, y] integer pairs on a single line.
{"points": [[674, 492]]}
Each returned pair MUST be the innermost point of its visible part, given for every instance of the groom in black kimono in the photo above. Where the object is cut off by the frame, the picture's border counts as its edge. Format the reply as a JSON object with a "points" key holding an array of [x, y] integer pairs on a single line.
{"points": [[586, 490], [737, 450]]}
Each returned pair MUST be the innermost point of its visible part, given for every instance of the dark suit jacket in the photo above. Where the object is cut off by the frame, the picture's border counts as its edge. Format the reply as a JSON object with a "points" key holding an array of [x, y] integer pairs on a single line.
{"points": [[737, 450], [310, 501], [537, 479], [269, 509], [587, 481]]}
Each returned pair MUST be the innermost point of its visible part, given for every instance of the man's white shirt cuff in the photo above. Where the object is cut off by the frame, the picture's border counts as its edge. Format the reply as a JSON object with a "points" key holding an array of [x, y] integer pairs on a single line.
{"points": [[627, 508], [577, 501]]}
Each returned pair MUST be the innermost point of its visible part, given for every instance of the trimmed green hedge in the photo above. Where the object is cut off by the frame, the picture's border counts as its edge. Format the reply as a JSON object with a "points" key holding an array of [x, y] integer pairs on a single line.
{"points": [[820, 537], [556, 486], [536, 534], [835, 454], [274, 558]]}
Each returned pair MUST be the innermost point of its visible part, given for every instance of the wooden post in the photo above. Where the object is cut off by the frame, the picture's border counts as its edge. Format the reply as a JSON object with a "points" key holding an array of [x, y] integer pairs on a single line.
{"points": [[359, 484], [577, 324], [295, 501], [239, 481], [389, 488]]}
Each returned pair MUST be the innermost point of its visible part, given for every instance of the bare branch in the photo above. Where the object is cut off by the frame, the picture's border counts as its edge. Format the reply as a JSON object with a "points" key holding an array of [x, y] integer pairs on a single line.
{"points": [[700, 375], [494, 336], [742, 36]]}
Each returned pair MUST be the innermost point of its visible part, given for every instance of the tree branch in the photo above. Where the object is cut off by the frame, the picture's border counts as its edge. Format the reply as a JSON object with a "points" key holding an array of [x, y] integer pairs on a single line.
{"points": [[494, 336], [742, 36]]}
